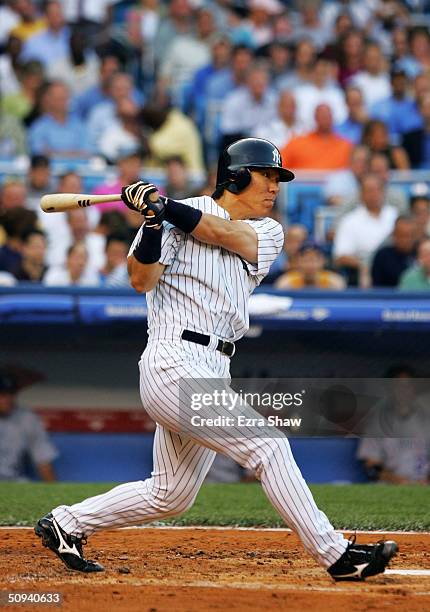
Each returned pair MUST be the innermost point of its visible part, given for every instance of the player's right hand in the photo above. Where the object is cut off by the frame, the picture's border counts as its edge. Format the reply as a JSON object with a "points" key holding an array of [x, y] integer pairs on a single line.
{"points": [[137, 197]]}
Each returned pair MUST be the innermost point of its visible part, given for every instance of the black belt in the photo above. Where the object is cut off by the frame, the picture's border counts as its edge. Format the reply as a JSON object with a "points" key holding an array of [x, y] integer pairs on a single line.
{"points": [[224, 346]]}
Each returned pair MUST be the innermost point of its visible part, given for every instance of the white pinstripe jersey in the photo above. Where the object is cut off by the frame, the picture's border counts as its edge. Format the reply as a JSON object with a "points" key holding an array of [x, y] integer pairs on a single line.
{"points": [[206, 288]]}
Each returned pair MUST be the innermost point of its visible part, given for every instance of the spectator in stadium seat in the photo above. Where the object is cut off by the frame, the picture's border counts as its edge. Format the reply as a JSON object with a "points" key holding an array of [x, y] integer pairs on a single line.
{"points": [[93, 17], [417, 277], [419, 206], [33, 250], [52, 43], [304, 56], [398, 451], [129, 167], [247, 107], [178, 22], [100, 92], [261, 21], [401, 58], [13, 141], [178, 185], [362, 231], [373, 80], [80, 231], [219, 85], [285, 126], [321, 149], [394, 195], [10, 63], [75, 271], [61, 233], [13, 194], [8, 20], [360, 12], [171, 133], [421, 86], [398, 111], [351, 51], [392, 259], [114, 272], [343, 186], [310, 272], [309, 24], [278, 56], [143, 22], [57, 133], [22, 435], [112, 222], [104, 113], [31, 22], [376, 137], [419, 43], [187, 54], [23, 102], [79, 69], [321, 89], [71, 182], [15, 223], [417, 142], [197, 95], [39, 180], [352, 127], [125, 131], [287, 260]]}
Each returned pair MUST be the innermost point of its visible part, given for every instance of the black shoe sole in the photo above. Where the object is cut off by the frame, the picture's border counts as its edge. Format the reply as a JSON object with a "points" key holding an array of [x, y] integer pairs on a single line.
{"points": [[389, 551], [48, 542]]}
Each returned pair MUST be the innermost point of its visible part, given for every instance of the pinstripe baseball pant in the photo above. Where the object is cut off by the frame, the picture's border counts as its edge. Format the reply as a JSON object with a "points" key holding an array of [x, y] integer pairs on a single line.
{"points": [[182, 459]]}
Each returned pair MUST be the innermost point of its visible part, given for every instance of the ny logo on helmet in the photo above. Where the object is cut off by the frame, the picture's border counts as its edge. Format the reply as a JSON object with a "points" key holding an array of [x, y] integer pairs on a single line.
{"points": [[276, 157]]}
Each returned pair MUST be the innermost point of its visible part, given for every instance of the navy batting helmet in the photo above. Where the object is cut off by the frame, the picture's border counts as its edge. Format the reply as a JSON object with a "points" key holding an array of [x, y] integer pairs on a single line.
{"points": [[240, 157]]}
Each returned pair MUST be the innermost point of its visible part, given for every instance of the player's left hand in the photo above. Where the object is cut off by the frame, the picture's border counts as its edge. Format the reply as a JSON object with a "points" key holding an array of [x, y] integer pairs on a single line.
{"points": [[137, 197]]}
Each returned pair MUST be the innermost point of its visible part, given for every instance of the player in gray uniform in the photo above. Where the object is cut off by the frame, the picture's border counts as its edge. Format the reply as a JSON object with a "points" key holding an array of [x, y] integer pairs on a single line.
{"points": [[198, 260]]}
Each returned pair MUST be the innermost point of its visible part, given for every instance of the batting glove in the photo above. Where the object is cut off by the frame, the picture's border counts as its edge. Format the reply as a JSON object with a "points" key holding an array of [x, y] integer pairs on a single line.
{"points": [[137, 197]]}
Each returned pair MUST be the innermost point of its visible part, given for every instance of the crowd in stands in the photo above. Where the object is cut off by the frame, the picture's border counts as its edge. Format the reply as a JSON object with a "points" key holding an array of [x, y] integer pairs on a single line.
{"points": [[341, 87]]}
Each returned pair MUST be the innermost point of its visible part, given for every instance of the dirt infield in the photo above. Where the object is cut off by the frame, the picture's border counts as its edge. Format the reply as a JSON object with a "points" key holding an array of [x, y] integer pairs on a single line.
{"points": [[206, 569]]}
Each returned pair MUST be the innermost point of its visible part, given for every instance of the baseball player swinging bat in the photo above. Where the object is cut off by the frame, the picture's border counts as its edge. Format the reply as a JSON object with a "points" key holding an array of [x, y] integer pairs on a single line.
{"points": [[60, 202]]}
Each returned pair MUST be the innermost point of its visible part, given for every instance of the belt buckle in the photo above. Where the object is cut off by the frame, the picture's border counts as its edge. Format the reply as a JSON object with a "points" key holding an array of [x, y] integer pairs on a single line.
{"points": [[226, 345]]}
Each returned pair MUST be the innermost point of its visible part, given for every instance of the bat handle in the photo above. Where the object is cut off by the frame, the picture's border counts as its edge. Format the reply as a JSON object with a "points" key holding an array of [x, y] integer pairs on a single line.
{"points": [[154, 196]]}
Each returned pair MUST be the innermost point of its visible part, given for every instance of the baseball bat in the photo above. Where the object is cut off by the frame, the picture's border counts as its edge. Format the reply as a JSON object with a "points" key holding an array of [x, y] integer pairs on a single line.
{"points": [[60, 202]]}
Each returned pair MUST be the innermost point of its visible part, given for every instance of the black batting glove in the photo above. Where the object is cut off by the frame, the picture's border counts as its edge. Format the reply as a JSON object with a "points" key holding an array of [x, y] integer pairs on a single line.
{"points": [[137, 197]]}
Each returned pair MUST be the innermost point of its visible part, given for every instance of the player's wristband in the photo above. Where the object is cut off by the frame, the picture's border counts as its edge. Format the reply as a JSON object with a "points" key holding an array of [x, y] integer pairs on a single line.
{"points": [[148, 250], [182, 216]]}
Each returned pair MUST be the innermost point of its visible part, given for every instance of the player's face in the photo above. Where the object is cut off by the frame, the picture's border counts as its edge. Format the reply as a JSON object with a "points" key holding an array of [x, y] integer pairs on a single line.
{"points": [[262, 191]]}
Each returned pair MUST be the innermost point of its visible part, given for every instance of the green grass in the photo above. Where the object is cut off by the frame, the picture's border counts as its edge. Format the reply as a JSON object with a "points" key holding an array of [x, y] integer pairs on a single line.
{"points": [[348, 506]]}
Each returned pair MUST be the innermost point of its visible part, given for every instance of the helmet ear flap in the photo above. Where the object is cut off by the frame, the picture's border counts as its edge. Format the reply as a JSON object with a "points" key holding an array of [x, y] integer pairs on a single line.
{"points": [[239, 180]]}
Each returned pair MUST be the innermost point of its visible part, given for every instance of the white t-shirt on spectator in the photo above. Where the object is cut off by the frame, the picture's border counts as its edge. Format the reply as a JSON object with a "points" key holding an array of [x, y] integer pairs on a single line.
{"points": [[59, 237], [9, 84], [308, 97], [278, 132], [93, 10], [342, 184], [184, 57], [60, 277], [374, 88], [359, 233], [116, 139], [77, 78], [8, 20]]}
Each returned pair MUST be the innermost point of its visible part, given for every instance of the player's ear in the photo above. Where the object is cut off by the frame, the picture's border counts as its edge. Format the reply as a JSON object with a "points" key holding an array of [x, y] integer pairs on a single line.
{"points": [[239, 180]]}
